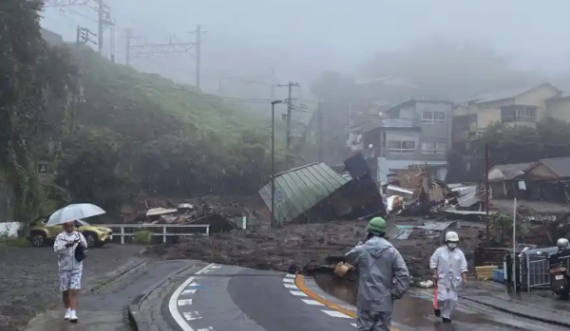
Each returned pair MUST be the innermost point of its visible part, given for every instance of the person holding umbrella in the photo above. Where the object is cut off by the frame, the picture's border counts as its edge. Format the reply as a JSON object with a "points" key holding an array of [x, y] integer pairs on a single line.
{"points": [[384, 277], [69, 247], [70, 269]]}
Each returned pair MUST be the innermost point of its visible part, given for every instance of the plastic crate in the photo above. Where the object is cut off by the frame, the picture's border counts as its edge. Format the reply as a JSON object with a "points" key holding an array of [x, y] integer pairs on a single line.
{"points": [[499, 275], [485, 272]]}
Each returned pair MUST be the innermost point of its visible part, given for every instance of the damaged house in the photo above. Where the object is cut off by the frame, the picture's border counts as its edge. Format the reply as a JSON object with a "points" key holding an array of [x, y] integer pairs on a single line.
{"points": [[414, 132]]}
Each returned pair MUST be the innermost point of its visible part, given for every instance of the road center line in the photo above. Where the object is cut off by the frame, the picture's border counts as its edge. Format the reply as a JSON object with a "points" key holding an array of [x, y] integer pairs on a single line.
{"points": [[173, 302]]}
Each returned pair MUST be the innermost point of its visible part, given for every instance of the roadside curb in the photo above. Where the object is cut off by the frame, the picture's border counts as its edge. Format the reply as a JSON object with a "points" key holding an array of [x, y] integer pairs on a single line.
{"points": [[137, 320], [125, 269], [515, 312]]}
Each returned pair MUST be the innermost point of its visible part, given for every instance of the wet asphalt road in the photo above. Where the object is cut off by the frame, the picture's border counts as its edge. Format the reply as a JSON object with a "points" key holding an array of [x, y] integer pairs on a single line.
{"points": [[106, 310], [239, 299], [415, 312]]}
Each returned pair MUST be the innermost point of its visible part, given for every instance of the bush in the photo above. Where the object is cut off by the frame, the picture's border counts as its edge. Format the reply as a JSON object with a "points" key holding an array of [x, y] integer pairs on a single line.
{"points": [[9, 241], [143, 237]]}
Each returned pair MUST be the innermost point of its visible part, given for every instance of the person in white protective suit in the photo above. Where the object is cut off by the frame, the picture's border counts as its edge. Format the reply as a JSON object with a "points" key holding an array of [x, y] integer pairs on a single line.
{"points": [[449, 268]]}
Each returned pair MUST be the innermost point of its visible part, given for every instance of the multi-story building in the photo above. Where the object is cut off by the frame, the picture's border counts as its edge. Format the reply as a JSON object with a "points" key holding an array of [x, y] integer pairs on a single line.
{"points": [[522, 106], [415, 132]]}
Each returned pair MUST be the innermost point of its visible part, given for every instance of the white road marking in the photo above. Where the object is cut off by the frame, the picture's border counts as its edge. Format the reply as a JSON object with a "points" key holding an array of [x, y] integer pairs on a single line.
{"points": [[293, 286], [216, 266], [186, 292], [353, 324], [312, 302], [172, 303], [193, 315], [298, 293], [335, 313], [288, 280], [185, 302], [194, 284], [290, 276], [207, 329]]}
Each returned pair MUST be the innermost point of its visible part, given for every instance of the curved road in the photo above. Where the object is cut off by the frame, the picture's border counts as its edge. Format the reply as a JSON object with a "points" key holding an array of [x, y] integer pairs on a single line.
{"points": [[221, 298]]}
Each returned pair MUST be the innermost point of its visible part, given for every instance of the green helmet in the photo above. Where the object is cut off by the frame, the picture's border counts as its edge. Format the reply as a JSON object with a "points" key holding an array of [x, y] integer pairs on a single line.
{"points": [[377, 225]]}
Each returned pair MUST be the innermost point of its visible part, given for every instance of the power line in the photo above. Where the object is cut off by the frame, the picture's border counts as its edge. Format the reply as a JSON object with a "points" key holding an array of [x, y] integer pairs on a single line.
{"points": [[104, 19], [172, 47]]}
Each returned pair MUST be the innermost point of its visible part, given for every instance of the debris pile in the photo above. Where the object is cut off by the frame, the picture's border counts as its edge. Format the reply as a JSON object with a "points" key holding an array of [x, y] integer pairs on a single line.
{"points": [[191, 211], [312, 245], [412, 192]]}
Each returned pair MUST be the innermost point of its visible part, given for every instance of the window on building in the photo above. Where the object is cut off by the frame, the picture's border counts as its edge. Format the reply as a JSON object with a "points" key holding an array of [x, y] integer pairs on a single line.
{"points": [[402, 147], [518, 113], [433, 117], [433, 147]]}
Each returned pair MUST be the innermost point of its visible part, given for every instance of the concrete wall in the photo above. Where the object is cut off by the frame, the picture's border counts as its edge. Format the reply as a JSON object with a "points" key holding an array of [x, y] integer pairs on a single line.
{"points": [[435, 132], [9, 228]]}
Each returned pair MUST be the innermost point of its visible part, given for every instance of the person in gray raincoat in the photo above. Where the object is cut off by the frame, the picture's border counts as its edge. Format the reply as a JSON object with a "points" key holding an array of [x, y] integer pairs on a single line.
{"points": [[384, 277]]}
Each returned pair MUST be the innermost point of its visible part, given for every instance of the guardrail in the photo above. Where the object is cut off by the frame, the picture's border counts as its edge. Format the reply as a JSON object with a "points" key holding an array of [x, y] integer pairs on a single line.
{"points": [[164, 234]]}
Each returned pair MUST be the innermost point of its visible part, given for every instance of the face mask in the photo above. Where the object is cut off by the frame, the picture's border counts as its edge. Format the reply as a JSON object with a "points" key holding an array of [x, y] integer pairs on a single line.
{"points": [[452, 245]]}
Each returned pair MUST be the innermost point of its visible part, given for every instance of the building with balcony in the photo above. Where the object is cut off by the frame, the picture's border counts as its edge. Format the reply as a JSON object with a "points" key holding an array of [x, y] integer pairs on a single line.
{"points": [[414, 132], [520, 106]]}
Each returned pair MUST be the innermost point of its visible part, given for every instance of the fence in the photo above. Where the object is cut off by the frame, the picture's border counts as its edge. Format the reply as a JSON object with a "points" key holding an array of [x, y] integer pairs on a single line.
{"points": [[164, 233], [535, 274]]}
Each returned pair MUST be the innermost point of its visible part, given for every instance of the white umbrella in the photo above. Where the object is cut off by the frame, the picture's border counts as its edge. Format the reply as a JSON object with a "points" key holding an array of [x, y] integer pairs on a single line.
{"points": [[74, 212]]}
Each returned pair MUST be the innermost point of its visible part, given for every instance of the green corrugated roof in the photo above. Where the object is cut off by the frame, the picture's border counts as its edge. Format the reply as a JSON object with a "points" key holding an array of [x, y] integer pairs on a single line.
{"points": [[299, 189]]}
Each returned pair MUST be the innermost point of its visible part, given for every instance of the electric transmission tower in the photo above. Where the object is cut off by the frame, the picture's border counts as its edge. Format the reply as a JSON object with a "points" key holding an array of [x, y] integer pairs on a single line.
{"points": [[193, 48]]}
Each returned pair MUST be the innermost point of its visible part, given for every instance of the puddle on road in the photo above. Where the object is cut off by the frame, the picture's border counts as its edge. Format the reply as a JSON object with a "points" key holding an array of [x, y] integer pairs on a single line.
{"points": [[343, 290], [415, 312]]}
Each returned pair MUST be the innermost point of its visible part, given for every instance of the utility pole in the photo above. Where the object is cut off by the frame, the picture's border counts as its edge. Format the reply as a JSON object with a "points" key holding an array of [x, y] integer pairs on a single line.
{"points": [[273, 103], [487, 230], [198, 55], [320, 131], [288, 136], [103, 17], [83, 36], [128, 37], [100, 24]]}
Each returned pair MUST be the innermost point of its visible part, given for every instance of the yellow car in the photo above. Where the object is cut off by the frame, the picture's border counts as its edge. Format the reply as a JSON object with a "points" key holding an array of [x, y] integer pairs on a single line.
{"points": [[42, 235]]}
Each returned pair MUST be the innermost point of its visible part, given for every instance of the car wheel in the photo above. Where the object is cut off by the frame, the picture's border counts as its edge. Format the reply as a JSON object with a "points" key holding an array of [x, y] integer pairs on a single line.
{"points": [[91, 240], [38, 239]]}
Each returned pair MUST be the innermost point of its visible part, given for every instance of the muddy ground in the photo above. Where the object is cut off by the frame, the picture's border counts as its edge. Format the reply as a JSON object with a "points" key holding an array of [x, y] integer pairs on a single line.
{"points": [[29, 279], [305, 245]]}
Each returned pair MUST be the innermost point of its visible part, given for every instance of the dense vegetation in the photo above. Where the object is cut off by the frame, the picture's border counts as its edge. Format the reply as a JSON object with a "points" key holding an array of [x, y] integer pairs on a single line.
{"points": [[34, 77], [507, 145], [140, 133], [112, 132]]}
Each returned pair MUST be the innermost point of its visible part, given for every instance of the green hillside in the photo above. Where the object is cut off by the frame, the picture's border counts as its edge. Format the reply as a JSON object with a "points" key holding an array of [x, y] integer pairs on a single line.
{"points": [[140, 133]]}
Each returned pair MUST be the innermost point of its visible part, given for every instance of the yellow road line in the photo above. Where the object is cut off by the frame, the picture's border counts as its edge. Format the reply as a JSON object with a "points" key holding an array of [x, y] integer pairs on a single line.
{"points": [[300, 282]]}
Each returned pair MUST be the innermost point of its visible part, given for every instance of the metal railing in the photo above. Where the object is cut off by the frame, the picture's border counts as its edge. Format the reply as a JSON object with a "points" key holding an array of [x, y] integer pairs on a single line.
{"points": [[164, 234], [536, 274]]}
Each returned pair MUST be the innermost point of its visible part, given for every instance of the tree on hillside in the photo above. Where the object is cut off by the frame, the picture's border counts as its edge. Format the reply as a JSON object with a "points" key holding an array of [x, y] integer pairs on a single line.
{"points": [[449, 70], [34, 75], [508, 145], [140, 134]]}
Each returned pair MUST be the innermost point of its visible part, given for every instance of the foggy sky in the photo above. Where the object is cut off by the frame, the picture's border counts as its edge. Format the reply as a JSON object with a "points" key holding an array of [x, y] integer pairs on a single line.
{"points": [[303, 38]]}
